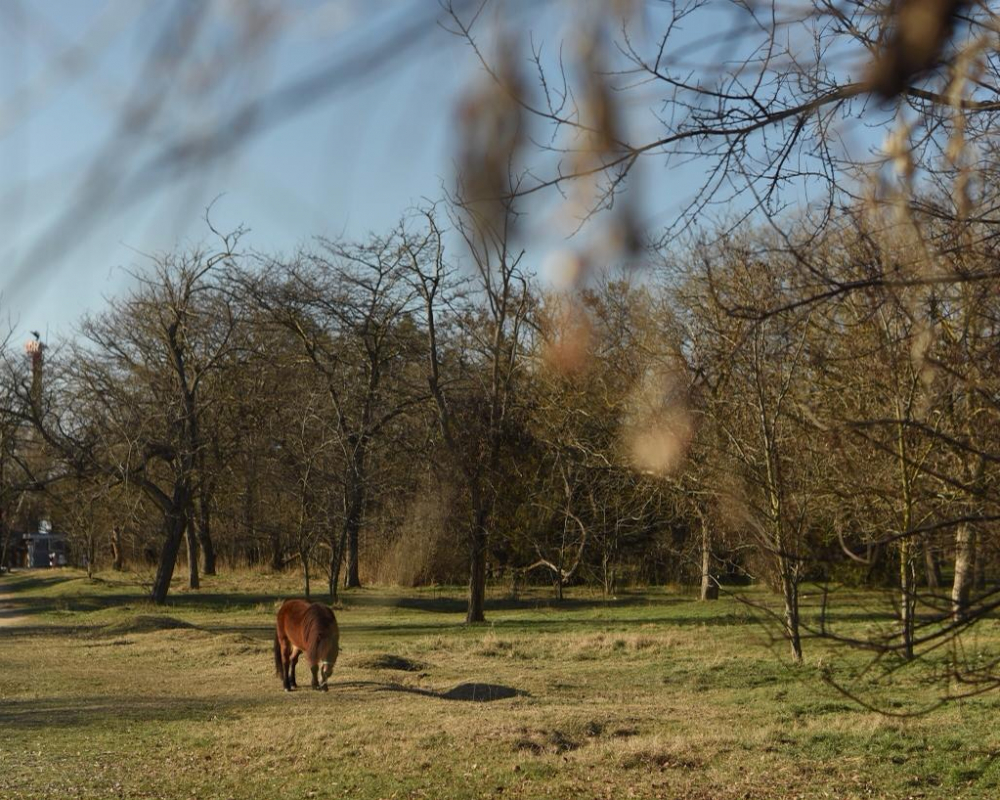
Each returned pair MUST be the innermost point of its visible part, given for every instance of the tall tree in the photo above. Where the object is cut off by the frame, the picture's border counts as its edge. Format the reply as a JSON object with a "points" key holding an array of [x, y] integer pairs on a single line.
{"points": [[346, 305], [474, 389], [132, 390]]}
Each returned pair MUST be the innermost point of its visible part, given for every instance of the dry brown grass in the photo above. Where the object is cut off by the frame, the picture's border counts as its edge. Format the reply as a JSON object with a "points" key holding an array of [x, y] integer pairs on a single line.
{"points": [[650, 699]]}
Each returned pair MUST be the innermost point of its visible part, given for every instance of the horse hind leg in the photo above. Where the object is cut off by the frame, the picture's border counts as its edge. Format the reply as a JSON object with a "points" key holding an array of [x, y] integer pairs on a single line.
{"points": [[291, 668], [288, 664]]}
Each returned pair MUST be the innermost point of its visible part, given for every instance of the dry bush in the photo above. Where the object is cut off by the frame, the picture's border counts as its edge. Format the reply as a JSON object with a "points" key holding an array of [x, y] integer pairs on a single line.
{"points": [[426, 548], [493, 646], [645, 756], [600, 644]]}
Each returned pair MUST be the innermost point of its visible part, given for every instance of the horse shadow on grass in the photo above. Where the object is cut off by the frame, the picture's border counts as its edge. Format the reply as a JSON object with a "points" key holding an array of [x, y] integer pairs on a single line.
{"points": [[469, 692]]}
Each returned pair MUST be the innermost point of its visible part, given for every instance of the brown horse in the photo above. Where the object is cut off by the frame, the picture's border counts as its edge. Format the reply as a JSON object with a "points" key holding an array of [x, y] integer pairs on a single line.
{"points": [[309, 628]]}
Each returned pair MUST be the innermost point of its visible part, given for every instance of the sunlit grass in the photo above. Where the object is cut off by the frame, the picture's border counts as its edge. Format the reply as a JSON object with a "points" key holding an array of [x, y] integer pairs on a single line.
{"points": [[653, 695]]}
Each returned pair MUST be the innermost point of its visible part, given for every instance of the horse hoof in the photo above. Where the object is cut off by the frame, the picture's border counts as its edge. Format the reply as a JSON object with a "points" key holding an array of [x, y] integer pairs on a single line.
{"points": [[325, 688], [288, 688]]}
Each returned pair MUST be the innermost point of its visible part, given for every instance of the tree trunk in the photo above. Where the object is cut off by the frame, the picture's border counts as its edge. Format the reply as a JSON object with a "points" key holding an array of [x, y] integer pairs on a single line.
{"points": [[965, 550], [979, 568], [277, 551], [253, 551], [932, 567], [476, 611], [303, 549], [192, 553], [336, 559], [4, 542], [173, 525], [790, 592], [906, 595], [352, 521], [117, 554], [4, 527], [205, 535], [709, 588], [352, 577], [477, 580], [352, 526]]}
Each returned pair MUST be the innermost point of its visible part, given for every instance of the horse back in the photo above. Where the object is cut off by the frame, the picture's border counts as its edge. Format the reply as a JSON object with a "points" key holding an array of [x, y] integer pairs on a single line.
{"points": [[322, 637], [309, 626]]}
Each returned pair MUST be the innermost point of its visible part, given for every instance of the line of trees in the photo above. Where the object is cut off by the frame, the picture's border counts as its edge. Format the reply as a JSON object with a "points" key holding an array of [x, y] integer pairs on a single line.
{"points": [[811, 400], [319, 410], [814, 399], [398, 410]]}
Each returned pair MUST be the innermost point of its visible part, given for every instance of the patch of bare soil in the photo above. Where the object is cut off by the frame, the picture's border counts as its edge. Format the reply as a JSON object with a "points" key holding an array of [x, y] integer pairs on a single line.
{"points": [[388, 661]]}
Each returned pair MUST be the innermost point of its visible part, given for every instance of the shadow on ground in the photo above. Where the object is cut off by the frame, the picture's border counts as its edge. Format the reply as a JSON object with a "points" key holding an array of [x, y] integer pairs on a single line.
{"points": [[458, 605], [464, 692], [443, 612], [74, 712]]}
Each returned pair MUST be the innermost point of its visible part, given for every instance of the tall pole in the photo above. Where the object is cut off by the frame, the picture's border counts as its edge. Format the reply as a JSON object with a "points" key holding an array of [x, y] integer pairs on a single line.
{"points": [[35, 349]]}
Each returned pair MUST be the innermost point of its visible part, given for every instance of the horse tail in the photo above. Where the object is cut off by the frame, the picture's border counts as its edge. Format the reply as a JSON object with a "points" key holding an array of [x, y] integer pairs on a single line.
{"points": [[279, 667]]}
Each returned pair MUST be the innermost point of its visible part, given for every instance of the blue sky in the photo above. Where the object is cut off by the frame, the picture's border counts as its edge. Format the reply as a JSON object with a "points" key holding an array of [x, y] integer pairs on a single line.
{"points": [[350, 164]]}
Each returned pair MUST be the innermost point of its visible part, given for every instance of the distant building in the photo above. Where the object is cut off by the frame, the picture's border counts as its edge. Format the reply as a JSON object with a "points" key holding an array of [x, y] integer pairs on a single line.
{"points": [[46, 548]]}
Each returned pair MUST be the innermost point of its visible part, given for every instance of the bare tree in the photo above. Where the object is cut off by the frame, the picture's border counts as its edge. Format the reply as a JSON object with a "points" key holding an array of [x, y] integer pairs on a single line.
{"points": [[131, 391], [346, 305], [474, 390]]}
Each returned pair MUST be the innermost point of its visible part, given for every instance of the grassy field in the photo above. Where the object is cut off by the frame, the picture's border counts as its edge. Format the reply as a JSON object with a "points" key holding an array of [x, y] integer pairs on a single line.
{"points": [[651, 695]]}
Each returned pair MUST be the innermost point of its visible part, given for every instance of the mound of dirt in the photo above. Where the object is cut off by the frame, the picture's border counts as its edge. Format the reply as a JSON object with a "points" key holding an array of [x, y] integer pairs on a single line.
{"points": [[481, 692], [538, 742], [147, 623], [389, 661]]}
